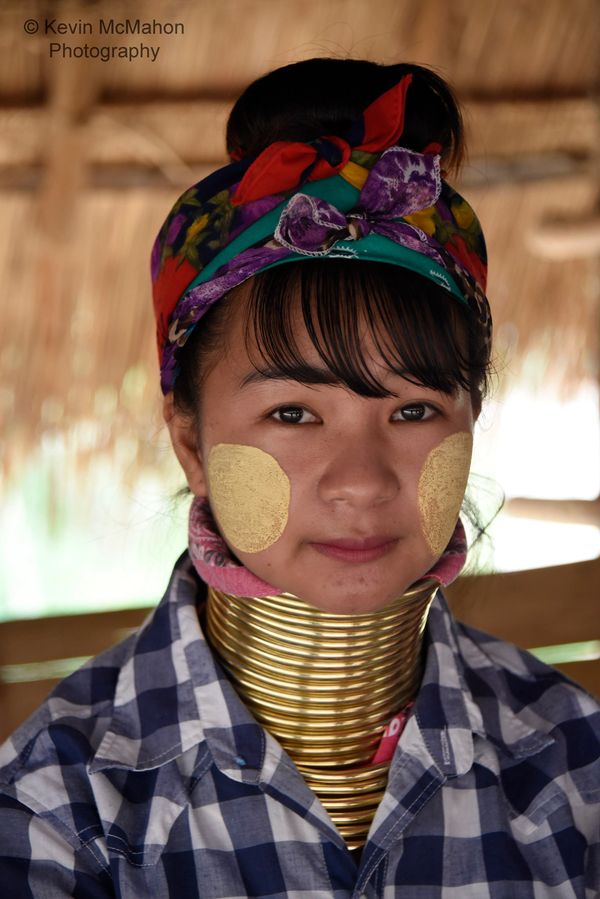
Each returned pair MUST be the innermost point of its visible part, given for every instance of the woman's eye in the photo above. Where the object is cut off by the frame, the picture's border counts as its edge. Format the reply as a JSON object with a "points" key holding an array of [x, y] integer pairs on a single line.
{"points": [[293, 415], [415, 412]]}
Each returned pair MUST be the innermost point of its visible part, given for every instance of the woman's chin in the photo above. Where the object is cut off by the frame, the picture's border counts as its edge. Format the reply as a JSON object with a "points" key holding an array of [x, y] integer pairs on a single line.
{"points": [[354, 599], [341, 588]]}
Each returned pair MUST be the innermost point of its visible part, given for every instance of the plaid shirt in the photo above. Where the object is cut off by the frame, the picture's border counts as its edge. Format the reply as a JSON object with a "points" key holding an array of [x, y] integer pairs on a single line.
{"points": [[144, 775]]}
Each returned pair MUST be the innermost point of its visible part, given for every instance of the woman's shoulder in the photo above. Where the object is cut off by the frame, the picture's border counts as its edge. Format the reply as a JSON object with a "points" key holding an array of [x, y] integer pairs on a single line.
{"points": [[45, 781], [513, 688], [74, 718], [68, 726], [522, 671], [122, 709]]}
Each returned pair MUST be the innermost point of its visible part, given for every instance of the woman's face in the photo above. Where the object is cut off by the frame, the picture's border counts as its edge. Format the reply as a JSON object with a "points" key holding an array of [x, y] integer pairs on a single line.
{"points": [[342, 500]]}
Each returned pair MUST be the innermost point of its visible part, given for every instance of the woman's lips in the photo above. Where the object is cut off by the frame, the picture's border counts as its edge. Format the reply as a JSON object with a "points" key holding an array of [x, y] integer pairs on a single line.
{"points": [[349, 550]]}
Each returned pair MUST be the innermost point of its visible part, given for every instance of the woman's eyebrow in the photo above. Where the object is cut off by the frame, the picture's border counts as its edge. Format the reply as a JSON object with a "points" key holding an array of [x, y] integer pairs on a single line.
{"points": [[303, 374]]}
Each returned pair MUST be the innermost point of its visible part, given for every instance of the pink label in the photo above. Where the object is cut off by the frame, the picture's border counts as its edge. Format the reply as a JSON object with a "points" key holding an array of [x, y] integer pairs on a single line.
{"points": [[391, 735]]}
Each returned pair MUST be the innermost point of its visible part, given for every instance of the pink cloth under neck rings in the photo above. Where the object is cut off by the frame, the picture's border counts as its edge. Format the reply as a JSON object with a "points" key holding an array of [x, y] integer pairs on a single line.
{"points": [[215, 564]]}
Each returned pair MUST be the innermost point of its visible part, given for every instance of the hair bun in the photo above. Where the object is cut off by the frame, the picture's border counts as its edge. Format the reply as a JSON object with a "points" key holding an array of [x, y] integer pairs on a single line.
{"points": [[315, 97]]}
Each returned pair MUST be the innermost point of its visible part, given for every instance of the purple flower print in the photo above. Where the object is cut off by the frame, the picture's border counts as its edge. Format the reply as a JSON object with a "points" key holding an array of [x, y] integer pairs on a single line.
{"points": [[175, 228], [155, 259], [309, 225], [401, 182]]}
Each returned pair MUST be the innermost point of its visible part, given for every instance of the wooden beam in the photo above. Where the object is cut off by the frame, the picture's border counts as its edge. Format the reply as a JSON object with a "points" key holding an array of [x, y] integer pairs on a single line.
{"points": [[568, 239], [158, 134], [523, 127], [191, 132], [490, 172], [55, 637], [479, 173], [63, 145], [569, 511], [539, 607], [112, 177]]}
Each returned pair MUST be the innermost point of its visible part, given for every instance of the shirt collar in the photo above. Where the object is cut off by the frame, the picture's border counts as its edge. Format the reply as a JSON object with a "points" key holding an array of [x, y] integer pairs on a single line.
{"points": [[465, 694], [171, 695]]}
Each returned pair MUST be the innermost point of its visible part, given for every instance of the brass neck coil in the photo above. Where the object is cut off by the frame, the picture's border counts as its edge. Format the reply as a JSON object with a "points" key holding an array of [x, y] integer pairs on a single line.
{"points": [[325, 686]]}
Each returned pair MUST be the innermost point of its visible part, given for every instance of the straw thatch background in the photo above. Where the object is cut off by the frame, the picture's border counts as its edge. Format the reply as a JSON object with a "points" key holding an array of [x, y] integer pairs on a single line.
{"points": [[93, 154]]}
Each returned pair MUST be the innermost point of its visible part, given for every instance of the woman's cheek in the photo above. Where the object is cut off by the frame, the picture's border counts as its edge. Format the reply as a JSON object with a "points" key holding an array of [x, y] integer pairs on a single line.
{"points": [[441, 488], [249, 495]]}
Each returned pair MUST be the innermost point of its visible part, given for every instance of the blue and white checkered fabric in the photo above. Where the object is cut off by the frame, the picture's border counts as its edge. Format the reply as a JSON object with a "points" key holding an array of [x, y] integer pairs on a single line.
{"points": [[144, 775]]}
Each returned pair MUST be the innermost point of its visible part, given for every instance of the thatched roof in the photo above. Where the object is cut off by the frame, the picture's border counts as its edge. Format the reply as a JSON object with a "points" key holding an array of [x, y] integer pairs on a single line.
{"points": [[93, 154]]}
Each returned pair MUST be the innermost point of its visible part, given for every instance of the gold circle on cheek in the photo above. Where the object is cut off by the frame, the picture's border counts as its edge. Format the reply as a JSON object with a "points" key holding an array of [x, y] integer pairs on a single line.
{"points": [[249, 495], [442, 485]]}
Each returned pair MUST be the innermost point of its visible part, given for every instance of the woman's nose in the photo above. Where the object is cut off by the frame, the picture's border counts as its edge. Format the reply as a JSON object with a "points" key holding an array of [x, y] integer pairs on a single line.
{"points": [[359, 474]]}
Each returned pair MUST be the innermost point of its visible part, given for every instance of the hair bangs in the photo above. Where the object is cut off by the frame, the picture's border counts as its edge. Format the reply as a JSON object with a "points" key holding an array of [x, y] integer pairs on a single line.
{"points": [[419, 330]]}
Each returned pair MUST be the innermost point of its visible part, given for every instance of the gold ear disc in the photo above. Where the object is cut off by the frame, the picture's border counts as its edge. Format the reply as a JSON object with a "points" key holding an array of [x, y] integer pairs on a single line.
{"points": [[442, 485], [249, 495]]}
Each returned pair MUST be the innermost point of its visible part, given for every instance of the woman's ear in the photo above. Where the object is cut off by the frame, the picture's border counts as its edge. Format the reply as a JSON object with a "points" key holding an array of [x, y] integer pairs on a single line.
{"points": [[185, 443]]}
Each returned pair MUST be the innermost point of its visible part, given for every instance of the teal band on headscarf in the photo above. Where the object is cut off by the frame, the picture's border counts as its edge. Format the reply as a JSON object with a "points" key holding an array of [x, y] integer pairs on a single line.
{"points": [[372, 248]]}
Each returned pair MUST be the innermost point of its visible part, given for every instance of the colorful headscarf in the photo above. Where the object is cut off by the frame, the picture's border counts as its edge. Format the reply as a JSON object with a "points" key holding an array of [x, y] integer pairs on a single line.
{"points": [[358, 197]]}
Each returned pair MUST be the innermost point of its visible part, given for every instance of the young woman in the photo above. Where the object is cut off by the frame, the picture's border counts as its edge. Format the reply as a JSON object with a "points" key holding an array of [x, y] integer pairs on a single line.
{"points": [[302, 716]]}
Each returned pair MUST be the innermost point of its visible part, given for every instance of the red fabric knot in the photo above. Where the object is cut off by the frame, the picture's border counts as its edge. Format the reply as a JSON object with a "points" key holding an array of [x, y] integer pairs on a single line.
{"points": [[284, 165]]}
